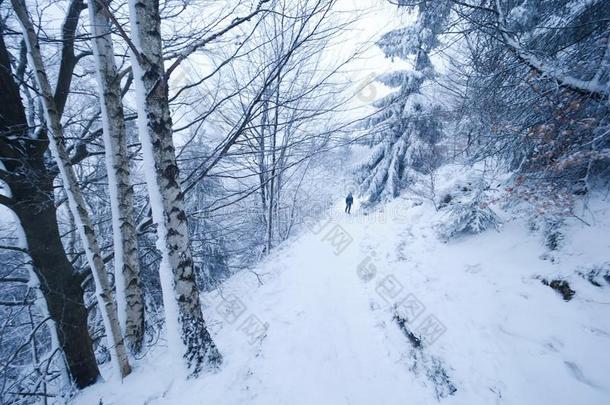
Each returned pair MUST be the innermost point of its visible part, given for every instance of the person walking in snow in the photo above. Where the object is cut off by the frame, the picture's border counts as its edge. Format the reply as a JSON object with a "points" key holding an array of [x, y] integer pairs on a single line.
{"points": [[349, 200]]}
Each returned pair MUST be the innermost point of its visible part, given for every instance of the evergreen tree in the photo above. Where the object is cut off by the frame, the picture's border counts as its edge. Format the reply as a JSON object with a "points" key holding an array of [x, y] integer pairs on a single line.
{"points": [[406, 127]]}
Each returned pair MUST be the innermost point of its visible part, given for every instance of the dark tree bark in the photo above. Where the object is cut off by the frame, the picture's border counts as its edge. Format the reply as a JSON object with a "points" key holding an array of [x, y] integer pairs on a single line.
{"points": [[32, 200], [68, 58], [59, 284]]}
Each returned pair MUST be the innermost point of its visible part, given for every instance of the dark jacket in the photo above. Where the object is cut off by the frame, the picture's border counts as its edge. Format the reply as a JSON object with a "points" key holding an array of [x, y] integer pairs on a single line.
{"points": [[349, 200]]}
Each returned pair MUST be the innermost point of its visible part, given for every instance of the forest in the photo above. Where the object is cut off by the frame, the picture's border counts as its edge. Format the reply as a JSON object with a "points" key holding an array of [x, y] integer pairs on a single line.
{"points": [[189, 163]]}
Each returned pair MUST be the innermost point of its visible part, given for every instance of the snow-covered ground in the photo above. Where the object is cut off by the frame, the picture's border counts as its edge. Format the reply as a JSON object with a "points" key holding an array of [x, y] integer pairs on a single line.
{"points": [[318, 327]]}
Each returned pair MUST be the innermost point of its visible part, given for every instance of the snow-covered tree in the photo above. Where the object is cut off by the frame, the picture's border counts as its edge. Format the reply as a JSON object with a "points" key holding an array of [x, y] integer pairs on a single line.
{"points": [[130, 300], [76, 201], [27, 178], [186, 329], [470, 216], [406, 126], [536, 81]]}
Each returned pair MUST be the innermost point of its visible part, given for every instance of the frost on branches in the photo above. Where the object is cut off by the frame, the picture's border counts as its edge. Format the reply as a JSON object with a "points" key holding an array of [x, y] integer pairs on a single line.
{"points": [[538, 98], [469, 213], [470, 217], [406, 128]]}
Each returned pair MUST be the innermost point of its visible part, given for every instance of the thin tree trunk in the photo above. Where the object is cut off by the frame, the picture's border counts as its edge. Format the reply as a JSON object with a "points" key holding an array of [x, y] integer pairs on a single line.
{"points": [[273, 166], [281, 167], [262, 164], [75, 197], [130, 300], [185, 325], [270, 206]]}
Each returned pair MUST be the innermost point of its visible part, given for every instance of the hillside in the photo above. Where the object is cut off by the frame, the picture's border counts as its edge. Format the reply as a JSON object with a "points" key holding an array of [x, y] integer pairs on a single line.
{"points": [[374, 307]]}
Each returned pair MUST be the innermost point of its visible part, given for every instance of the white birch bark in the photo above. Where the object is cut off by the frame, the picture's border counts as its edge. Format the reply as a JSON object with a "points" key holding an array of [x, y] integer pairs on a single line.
{"points": [[130, 301], [76, 202], [186, 328]]}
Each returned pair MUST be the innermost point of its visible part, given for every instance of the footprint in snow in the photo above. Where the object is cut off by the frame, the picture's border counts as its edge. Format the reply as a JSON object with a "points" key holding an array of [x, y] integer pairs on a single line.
{"points": [[473, 268], [598, 332], [578, 374]]}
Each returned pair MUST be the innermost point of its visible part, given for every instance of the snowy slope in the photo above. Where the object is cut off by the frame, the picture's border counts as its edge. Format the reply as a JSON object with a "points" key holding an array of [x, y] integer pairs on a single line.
{"points": [[320, 327]]}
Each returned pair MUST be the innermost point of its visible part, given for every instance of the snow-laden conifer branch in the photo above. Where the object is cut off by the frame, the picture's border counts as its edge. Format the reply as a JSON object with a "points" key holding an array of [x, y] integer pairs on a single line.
{"points": [[591, 87]]}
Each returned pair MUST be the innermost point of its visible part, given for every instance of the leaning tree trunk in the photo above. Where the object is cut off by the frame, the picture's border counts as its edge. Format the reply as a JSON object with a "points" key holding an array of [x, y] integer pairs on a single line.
{"points": [[75, 198], [130, 300], [31, 199], [180, 293]]}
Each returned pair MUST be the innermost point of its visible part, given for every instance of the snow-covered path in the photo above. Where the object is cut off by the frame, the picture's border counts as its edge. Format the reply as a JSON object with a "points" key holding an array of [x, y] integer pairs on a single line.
{"points": [[317, 330], [329, 346]]}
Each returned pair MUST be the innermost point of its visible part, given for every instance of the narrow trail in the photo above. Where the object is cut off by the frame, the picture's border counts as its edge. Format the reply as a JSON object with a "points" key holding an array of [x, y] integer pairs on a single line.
{"points": [[328, 343], [328, 336]]}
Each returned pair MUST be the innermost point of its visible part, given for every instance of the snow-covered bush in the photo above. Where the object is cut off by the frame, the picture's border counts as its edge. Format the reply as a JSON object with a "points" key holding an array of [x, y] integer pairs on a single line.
{"points": [[470, 217], [553, 235], [468, 211], [546, 217], [597, 274]]}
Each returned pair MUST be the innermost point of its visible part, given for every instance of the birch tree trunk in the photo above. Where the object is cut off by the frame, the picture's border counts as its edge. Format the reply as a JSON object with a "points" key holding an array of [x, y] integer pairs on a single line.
{"points": [[32, 201], [130, 300], [186, 328], [75, 198]]}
